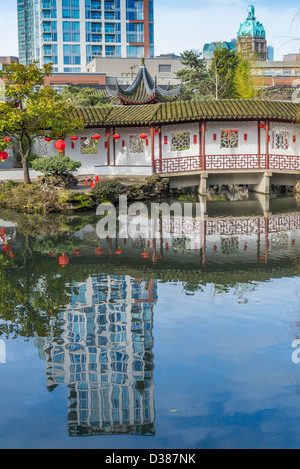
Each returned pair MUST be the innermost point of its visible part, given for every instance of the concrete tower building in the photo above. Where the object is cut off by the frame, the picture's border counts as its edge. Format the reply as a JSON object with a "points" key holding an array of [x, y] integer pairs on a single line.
{"points": [[69, 33], [251, 37]]}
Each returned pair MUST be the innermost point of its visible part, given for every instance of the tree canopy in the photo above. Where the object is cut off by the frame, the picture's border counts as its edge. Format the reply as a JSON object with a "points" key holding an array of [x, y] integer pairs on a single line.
{"points": [[84, 96], [227, 75], [32, 110]]}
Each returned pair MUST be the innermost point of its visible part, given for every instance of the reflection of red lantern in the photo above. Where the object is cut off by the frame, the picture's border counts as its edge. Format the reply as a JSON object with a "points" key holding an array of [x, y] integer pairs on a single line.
{"points": [[116, 137], [73, 138], [96, 138], [60, 145], [99, 251], [3, 155], [63, 260], [145, 254], [48, 140], [143, 136], [6, 247], [119, 251], [77, 251], [215, 248]]}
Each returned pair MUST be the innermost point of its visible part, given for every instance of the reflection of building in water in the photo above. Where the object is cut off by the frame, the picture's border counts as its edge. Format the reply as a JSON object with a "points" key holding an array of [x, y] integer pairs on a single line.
{"points": [[104, 356]]}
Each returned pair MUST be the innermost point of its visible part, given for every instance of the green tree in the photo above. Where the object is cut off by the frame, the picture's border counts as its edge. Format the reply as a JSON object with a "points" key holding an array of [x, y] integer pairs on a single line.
{"points": [[32, 110], [84, 96], [222, 70], [194, 75], [245, 83], [56, 165]]}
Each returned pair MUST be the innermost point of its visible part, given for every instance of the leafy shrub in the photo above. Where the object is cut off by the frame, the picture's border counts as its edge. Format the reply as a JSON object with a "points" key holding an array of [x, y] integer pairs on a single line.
{"points": [[108, 190], [56, 164]]}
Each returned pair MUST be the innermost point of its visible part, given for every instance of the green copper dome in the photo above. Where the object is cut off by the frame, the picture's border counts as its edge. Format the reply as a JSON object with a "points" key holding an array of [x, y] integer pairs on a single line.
{"points": [[251, 27]]}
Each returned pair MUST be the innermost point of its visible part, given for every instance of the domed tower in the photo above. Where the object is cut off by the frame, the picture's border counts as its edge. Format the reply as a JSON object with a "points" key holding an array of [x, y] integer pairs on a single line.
{"points": [[251, 37]]}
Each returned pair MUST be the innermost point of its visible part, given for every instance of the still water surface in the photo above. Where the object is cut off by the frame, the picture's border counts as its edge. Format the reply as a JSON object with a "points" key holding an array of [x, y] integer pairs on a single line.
{"points": [[192, 347]]}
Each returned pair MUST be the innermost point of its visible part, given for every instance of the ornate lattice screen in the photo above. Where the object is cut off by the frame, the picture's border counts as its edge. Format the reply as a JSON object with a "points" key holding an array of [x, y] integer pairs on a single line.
{"points": [[280, 140], [136, 144], [181, 141], [230, 138]]}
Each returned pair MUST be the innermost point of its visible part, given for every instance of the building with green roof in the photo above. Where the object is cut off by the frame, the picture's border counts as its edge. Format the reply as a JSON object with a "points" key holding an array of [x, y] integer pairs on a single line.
{"points": [[251, 36]]}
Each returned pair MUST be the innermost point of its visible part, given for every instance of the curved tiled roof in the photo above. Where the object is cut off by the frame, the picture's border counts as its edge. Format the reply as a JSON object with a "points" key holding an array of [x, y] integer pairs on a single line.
{"points": [[144, 90], [188, 111]]}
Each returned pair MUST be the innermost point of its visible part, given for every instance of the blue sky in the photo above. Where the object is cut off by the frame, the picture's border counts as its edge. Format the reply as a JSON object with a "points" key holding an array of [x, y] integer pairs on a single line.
{"points": [[188, 24]]}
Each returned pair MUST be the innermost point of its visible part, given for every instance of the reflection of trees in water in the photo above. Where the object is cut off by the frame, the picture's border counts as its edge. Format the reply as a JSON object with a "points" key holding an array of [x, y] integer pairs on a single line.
{"points": [[33, 287], [240, 290]]}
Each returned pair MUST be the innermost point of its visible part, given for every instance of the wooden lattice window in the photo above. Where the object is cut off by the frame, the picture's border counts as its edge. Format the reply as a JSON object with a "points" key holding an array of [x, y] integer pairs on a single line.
{"points": [[281, 139], [136, 144], [181, 141], [88, 146], [229, 138]]}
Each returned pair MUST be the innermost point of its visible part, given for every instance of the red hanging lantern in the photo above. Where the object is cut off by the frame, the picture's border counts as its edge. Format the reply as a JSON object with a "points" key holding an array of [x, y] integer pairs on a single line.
{"points": [[7, 139], [60, 145], [99, 251], [6, 247], [77, 251], [119, 251], [73, 138], [145, 254], [116, 137], [48, 140], [63, 260], [143, 136], [261, 126], [3, 155], [96, 137], [12, 255]]}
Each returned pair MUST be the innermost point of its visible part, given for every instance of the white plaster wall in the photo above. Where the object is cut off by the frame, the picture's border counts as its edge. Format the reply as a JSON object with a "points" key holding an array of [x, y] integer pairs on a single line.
{"points": [[167, 131], [123, 155], [245, 147], [294, 147], [88, 162]]}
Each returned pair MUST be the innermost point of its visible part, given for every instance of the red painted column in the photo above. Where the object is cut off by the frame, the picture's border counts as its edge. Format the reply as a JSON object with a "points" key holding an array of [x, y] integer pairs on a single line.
{"points": [[160, 150], [114, 147], [108, 145], [203, 129], [258, 144], [267, 144], [152, 133]]}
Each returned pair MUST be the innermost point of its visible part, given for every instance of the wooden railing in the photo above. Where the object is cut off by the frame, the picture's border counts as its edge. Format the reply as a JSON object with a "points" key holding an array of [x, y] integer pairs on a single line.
{"points": [[177, 165], [227, 163]]}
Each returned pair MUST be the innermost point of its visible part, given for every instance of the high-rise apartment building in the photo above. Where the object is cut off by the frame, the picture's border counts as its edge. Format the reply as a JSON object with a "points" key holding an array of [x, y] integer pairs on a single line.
{"points": [[69, 33]]}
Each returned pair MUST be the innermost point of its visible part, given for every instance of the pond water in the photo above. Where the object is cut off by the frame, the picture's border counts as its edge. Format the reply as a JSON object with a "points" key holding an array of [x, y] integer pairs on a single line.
{"points": [[191, 345]]}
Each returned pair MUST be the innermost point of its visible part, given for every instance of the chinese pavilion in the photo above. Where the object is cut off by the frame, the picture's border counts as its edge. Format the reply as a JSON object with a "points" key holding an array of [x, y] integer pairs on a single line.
{"points": [[144, 90]]}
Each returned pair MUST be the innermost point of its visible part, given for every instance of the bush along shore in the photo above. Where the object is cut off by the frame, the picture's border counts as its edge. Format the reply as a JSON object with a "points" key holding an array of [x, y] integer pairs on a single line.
{"points": [[50, 196]]}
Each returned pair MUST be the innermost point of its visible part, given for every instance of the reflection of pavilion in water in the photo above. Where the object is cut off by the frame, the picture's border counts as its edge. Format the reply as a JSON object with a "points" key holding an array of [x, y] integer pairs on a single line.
{"points": [[256, 238], [104, 356]]}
